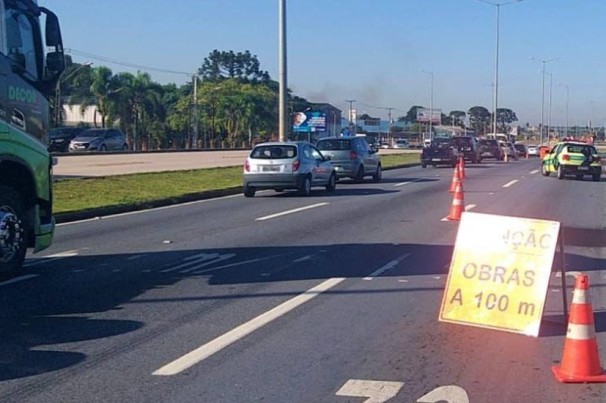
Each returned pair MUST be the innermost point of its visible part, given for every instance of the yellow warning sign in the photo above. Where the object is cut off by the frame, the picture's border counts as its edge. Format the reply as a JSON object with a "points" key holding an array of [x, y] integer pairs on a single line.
{"points": [[499, 272]]}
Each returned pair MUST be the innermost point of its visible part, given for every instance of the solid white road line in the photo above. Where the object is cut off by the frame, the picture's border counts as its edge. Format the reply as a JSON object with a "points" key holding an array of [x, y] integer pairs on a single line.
{"points": [[18, 279], [387, 267], [148, 210], [536, 171], [194, 357], [510, 183], [50, 258], [268, 217], [202, 258], [235, 264], [302, 259], [405, 183]]}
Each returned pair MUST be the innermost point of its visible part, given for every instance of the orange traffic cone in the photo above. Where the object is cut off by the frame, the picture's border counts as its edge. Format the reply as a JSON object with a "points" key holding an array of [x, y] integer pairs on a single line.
{"points": [[462, 167], [580, 360], [458, 204], [456, 179]]}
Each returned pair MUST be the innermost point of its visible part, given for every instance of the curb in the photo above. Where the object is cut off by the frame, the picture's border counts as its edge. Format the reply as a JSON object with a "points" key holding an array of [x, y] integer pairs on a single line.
{"points": [[62, 218]]}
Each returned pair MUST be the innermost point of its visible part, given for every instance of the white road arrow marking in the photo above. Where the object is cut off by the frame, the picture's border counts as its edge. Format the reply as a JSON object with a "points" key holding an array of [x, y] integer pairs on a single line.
{"points": [[375, 391], [450, 394]]}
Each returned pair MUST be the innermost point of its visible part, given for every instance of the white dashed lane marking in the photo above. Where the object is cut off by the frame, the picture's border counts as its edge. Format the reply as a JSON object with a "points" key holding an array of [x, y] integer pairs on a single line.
{"points": [[297, 210], [510, 183]]}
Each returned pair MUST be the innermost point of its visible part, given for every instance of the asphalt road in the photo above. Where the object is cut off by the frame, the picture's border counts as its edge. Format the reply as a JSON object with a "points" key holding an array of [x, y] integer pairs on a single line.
{"points": [[281, 298]]}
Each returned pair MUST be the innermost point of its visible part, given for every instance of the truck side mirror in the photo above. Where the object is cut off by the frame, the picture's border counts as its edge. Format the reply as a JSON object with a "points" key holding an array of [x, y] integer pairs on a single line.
{"points": [[55, 62]]}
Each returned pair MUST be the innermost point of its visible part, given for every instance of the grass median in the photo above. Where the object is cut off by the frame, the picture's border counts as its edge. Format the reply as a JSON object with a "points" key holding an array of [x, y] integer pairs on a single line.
{"points": [[82, 194]]}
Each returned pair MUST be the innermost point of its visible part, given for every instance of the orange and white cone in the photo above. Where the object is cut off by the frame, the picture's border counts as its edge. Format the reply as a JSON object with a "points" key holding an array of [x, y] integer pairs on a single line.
{"points": [[580, 360], [456, 179], [458, 204], [462, 167]]}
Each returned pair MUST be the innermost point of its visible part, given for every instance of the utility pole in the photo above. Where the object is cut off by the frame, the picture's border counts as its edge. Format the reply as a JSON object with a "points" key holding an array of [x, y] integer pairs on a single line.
{"points": [[549, 113], [567, 99], [283, 70], [352, 125], [388, 124], [195, 111], [543, 94], [430, 103]]}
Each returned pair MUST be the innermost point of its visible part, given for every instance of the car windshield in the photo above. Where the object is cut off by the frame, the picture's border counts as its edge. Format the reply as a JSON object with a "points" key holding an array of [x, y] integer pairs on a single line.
{"points": [[334, 144], [274, 152]]}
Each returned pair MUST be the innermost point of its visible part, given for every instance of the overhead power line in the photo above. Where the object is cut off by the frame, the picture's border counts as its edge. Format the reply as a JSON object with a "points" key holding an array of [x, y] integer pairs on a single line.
{"points": [[123, 63]]}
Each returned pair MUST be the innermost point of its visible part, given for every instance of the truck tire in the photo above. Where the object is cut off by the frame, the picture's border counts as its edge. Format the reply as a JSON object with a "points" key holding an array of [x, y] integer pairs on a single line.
{"points": [[13, 232]]}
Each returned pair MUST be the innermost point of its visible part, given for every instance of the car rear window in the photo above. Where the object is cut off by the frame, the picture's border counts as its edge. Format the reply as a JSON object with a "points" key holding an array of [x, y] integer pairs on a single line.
{"points": [[462, 141], [489, 143], [274, 152], [582, 149], [441, 143], [334, 144], [520, 147]]}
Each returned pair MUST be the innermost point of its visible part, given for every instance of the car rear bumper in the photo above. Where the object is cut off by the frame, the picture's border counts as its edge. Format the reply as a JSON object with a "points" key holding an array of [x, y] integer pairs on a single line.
{"points": [[438, 160], [582, 170], [345, 169], [274, 181]]}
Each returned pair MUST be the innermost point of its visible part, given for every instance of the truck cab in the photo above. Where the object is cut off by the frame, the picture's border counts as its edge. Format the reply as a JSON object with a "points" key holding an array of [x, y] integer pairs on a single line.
{"points": [[31, 62]]}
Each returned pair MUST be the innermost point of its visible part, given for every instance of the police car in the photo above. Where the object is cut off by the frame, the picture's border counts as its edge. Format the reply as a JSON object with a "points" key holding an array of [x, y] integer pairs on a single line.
{"points": [[572, 158]]}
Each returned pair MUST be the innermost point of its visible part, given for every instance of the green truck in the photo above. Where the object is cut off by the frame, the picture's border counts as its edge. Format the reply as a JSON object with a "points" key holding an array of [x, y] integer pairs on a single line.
{"points": [[31, 62]]}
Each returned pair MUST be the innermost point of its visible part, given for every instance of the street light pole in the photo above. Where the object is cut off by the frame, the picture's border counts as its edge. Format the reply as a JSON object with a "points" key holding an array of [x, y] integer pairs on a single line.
{"points": [[544, 62], [567, 98], [549, 113], [430, 102], [352, 125], [283, 70], [58, 105], [496, 60]]}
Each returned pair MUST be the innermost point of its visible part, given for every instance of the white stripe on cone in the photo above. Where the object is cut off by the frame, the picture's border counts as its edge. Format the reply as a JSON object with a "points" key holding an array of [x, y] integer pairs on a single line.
{"points": [[580, 332], [581, 297]]}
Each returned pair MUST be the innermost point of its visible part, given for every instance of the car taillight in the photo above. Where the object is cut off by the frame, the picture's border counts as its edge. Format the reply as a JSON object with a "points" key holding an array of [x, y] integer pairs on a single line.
{"points": [[247, 166], [295, 165], [353, 155], [566, 157]]}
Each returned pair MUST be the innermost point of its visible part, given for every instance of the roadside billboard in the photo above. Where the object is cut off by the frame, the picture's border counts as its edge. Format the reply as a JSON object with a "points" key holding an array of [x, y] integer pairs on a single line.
{"points": [[425, 115], [309, 121]]}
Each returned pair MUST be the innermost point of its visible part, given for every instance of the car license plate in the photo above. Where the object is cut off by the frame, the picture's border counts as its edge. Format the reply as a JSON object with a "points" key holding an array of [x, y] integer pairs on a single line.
{"points": [[583, 168], [436, 159], [271, 168]]}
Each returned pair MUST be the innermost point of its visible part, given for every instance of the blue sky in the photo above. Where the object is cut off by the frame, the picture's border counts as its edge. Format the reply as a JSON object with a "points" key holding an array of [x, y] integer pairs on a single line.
{"points": [[372, 51]]}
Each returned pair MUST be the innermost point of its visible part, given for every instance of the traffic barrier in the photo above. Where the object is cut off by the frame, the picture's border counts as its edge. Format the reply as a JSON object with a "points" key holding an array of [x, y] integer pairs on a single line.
{"points": [[458, 204], [462, 167], [580, 360], [456, 179]]}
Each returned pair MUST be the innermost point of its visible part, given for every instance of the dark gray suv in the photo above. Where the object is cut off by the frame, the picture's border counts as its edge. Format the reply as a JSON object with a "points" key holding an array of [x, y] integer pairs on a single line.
{"points": [[352, 157]]}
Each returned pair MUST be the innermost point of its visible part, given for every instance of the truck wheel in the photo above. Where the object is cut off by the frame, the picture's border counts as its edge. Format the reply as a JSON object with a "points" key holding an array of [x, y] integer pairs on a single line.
{"points": [[13, 231]]}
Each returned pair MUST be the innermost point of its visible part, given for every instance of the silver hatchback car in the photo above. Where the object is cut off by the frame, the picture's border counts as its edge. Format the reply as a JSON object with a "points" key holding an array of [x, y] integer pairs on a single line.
{"points": [[288, 165], [352, 157]]}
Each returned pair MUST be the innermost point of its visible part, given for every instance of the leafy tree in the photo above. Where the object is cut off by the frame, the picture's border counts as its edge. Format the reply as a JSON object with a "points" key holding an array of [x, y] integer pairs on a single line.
{"points": [[504, 118], [411, 115], [242, 66], [479, 119], [457, 118], [103, 88]]}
